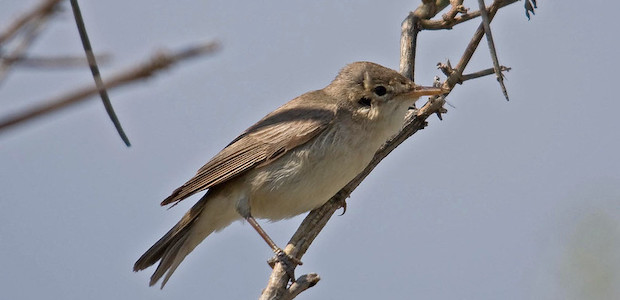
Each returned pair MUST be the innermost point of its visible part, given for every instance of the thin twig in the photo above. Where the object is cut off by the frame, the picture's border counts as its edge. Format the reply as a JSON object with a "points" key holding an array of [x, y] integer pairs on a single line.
{"points": [[456, 8], [301, 284], [485, 72], [448, 24], [51, 62], [455, 78], [158, 62], [31, 33], [487, 29], [44, 8], [94, 69]]}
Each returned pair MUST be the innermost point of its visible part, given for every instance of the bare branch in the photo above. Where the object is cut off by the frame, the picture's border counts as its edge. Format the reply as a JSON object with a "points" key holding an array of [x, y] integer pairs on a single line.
{"points": [[485, 72], [408, 40], [50, 62], [94, 69], [429, 8], [158, 62], [487, 30], [455, 78], [457, 7], [447, 23], [32, 31], [46, 7], [303, 283]]}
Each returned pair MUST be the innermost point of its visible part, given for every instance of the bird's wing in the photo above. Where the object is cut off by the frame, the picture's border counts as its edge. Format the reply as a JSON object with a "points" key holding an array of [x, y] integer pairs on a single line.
{"points": [[264, 142]]}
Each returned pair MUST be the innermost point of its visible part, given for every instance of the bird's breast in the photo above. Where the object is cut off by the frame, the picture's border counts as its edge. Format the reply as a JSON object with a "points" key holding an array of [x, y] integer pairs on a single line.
{"points": [[307, 176]]}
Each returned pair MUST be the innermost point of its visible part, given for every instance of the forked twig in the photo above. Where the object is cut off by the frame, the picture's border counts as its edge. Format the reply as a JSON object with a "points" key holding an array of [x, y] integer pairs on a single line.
{"points": [[455, 78], [444, 23]]}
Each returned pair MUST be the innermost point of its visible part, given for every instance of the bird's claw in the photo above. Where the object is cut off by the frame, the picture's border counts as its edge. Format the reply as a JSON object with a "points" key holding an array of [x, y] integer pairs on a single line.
{"points": [[288, 262]]}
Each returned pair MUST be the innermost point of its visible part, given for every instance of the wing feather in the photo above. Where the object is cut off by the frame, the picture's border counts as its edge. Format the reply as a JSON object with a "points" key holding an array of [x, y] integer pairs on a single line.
{"points": [[284, 129]]}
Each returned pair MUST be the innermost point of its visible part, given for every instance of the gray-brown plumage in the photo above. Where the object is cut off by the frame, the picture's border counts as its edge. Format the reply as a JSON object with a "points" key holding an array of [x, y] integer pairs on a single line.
{"points": [[291, 161]]}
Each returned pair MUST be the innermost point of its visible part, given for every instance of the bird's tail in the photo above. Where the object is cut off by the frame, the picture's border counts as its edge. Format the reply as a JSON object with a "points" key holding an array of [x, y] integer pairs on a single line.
{"points": [[209, 214]]}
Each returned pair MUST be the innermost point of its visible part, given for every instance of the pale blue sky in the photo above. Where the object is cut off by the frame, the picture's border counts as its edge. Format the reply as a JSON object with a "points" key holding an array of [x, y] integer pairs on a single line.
{"points": [[501, 200]]}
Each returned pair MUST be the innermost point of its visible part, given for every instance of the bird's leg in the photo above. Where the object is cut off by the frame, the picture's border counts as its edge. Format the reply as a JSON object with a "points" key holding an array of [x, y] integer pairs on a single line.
{"points": [[287, 261]]}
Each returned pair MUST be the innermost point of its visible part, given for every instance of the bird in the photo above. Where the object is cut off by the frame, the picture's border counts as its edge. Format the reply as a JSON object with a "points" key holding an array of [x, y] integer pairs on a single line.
{"points": [[291, 161]]}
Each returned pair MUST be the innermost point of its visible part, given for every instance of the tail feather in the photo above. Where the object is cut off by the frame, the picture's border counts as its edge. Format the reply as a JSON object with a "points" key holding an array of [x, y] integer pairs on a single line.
{"points": [[167, 248], [212, 212], [171, 259]]}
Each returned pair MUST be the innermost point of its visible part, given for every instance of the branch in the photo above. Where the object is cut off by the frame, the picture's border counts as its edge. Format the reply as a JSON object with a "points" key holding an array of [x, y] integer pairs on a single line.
{"points": [[54, 61], [318, 218], [46, 7], [31, 32], [409, 30], [447, 70], [158, 62], [487, 30], [456, 76], [94, 69], [448, 23]]}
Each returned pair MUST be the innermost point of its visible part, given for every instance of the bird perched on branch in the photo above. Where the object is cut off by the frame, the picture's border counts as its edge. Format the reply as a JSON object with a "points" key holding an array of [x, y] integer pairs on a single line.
{"points": [[290, 162]]}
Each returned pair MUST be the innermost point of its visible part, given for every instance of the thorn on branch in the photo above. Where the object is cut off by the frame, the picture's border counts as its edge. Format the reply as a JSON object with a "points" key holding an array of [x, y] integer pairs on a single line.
{"points": [[447, 70], [486, 24], [433, 106], [483, 73]]}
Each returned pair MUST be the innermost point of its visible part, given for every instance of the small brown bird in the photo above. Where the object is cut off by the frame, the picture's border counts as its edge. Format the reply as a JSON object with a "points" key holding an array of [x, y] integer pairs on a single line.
{"points": [[291, 161]]}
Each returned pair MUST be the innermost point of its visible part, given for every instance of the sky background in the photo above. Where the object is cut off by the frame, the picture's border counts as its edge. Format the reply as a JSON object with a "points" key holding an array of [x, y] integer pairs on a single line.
{"points": [[501, 200]]}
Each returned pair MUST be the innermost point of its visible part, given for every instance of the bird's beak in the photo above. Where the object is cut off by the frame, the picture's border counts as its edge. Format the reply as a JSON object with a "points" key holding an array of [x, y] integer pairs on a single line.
{"points": [[419, 91]]}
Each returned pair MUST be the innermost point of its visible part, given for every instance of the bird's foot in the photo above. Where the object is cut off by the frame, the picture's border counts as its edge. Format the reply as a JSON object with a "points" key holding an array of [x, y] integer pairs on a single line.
{"points": [[288, 262], [342, 201]]}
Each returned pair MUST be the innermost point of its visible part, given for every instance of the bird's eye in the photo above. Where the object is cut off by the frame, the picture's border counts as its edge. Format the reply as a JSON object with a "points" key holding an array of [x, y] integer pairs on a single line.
{"points": [[364, 101], [379, 90]]}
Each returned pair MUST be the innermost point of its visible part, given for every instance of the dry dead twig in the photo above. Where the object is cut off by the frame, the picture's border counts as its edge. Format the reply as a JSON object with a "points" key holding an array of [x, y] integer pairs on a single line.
{"points": [[55, 62], [158, 62], [487, 32], [45, 8], [94, 69], [28, 26]]}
